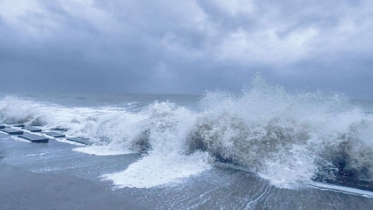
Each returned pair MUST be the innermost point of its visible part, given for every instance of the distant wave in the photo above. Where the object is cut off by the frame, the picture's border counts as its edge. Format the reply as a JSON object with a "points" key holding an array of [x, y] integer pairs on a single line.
{"points": [[288, 139]]}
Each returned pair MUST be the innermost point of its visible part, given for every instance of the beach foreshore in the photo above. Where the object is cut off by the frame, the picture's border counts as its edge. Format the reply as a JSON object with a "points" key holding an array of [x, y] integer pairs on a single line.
{"points": [[22, 189]]}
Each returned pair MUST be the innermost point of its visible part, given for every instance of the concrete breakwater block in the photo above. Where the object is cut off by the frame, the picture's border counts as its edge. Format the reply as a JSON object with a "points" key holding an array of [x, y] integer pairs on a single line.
{"points": [[18, 125], [12, 131], [34, 138], [32, 129], [60, 129], [81, 140], [55, 134]]}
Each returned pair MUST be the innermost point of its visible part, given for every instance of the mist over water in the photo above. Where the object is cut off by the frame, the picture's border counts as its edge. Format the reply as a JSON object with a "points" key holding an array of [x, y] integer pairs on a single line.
{"points": [[288, 139]]}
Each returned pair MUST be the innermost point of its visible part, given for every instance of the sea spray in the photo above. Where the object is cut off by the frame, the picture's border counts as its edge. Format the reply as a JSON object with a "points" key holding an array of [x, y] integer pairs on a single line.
{"points": [[168, 128], [286, 138]]}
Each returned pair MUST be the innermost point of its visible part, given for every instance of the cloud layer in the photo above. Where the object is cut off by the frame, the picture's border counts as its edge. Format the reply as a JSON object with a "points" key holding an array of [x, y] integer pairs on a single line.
{"points": [[185, 46]]}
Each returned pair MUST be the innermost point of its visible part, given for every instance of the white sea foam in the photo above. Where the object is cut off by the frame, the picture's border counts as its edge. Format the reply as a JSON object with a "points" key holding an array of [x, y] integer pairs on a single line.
{"points": [[103, 150], [155, 170]]}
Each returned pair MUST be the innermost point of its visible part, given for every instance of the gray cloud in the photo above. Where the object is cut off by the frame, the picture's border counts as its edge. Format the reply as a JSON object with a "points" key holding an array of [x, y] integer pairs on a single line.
{"points": [[185, 46]]}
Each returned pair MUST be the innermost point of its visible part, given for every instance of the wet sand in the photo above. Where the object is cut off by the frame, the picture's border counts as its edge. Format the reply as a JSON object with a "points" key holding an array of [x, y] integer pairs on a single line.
{"points": [[22, 189]]}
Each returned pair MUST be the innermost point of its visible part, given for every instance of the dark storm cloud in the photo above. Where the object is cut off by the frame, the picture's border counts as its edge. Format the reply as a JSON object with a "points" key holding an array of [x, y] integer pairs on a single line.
{"points": [[185, 46]]}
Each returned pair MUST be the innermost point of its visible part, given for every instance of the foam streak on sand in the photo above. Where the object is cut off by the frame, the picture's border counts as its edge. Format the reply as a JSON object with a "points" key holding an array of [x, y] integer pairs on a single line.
{"points": [[348, 190], [103, 150]]}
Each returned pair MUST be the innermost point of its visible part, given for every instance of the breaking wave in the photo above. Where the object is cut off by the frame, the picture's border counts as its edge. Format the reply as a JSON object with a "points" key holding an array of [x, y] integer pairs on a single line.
{"points": [[288, 139]]}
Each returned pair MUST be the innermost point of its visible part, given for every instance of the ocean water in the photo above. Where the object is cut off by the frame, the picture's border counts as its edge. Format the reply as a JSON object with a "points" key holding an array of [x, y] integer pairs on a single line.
{"points": [[264, 148]]}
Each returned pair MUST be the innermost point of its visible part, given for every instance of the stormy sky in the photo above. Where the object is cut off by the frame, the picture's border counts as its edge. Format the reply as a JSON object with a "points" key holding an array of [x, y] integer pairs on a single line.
{"points": [[185, 46]]}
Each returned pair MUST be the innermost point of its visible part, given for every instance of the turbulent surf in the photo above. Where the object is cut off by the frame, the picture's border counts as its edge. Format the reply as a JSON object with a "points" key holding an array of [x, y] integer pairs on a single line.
{"points": [[286, 138]]}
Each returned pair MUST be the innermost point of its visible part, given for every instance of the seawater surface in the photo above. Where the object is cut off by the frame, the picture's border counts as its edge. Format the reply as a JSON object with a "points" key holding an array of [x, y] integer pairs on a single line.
{"points": [[262, 148]]}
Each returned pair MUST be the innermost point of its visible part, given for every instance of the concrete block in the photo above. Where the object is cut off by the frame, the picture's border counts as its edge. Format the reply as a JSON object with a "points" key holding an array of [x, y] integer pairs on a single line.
{"points": [[60, 129], [34, 138], [18, 125], [12, 131], [32, 129], [80, 140], [55, 134]]}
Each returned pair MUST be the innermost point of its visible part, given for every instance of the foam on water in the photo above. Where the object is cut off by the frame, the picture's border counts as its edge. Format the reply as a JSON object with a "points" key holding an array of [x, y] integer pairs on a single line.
{"points": [[156, 170], [103, 150], [287, 139]]}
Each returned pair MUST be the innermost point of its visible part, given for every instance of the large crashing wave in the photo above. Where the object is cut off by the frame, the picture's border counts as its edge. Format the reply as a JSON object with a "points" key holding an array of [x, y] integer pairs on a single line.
{"points": [[288, 139]]}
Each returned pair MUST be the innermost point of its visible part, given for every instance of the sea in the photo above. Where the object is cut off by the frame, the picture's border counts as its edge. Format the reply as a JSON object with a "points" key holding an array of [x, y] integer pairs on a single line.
{"points": [[262, 148]]}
